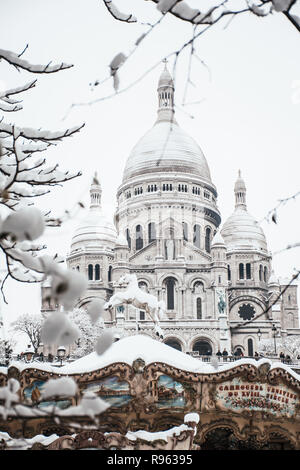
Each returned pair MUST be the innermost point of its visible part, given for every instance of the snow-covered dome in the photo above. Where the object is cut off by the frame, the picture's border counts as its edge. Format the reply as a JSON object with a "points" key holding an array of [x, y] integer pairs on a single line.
{"points": [[241, 230], [95, 228], [218, 240], [166, 147], [121, 241], [273, 279]]}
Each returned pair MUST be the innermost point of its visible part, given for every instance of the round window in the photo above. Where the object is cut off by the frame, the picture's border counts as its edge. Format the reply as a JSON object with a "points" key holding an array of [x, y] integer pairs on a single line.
{"points": [[246, 312]]}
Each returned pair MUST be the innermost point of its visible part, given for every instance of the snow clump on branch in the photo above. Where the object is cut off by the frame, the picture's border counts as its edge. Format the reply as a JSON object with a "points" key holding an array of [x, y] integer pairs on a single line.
{"points": [[67, 286], [58, 329], [24, 224], [95, 309], [104, 341], [9, 395], [115, 64]]}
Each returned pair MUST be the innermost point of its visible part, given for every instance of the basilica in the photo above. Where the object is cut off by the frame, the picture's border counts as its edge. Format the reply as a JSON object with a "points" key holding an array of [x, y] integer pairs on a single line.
{"points": [[216, 279]]}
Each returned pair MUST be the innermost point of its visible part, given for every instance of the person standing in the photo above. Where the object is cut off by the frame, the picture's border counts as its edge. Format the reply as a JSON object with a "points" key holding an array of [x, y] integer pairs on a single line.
{"points": [[225, 354]]}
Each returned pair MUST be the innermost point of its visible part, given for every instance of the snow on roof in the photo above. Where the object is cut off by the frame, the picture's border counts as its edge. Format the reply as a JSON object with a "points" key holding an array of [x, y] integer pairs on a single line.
{"points": [[130, 348], [153, 436], [133, 347]]}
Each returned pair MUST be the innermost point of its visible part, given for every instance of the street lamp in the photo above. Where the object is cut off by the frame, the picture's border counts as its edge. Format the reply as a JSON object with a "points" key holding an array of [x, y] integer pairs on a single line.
{"points": [[259, 334], [61, 352], [274, 329]]}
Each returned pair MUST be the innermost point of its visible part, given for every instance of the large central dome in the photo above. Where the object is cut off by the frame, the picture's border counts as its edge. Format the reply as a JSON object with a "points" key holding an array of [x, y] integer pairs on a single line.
{"points": [[166, 147]]}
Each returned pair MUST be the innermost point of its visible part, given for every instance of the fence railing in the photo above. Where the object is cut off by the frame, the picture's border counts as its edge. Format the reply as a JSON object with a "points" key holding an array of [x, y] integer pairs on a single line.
{"points": [[230, 358]]}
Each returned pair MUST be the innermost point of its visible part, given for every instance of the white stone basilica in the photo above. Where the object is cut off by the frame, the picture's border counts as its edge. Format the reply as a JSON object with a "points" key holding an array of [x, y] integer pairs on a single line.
{"points": [[167, 232]]}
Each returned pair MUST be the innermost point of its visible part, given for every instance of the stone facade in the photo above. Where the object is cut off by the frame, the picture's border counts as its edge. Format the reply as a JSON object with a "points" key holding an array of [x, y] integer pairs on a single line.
{"points": [[166, 231]]}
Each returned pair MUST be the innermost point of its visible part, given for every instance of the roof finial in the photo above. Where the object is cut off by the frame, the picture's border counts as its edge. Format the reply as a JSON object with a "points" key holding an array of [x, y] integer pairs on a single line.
{"points": [[95, 192], [240, 192], [165, 96]]}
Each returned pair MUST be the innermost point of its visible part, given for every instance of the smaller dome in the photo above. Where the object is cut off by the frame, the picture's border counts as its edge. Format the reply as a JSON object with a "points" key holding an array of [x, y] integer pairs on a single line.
{"points": [[241, 230], [121, 241], [95, 228], [218, 240], [273, 280]]}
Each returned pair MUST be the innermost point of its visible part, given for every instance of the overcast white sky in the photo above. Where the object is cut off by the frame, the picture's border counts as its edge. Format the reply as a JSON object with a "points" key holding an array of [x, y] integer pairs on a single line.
{"points": [[248, 118]]}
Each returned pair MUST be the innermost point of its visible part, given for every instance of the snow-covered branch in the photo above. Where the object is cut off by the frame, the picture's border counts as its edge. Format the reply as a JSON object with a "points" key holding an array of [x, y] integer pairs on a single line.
{"points": [[117, 14], [16, 60]]}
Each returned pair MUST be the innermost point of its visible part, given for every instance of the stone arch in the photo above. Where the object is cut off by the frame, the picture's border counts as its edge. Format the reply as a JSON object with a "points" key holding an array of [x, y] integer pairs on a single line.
{"points": [[143, 285], [196, 278], [239, 347], [147, 279], [246, 344], [203, 337], [247, 298], [178, 338], [198, 286], [164, 276]]}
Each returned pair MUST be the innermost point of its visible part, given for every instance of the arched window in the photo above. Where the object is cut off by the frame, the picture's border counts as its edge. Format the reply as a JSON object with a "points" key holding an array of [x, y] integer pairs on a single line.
{"points": [[170, 284], [173, 343], [228, 273], [139, 238], [90, 272], [185, 231], [203, 347], [97, 272], [109, 273], [199, 308], [248, 270], [207, 239], [151, 232], [196, 236], [265, 274], [250, 347], [260, 272], [241, 271], [142, 285], [128, 238]]}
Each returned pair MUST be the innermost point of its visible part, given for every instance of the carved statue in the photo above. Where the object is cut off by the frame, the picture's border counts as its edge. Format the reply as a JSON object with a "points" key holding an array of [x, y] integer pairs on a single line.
{"points": [[221, 303], [170, 252]]}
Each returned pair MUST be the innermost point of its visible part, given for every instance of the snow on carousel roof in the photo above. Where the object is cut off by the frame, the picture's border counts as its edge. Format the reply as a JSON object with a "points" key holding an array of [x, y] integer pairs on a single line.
{"points": [[129, 349]]}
